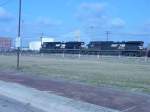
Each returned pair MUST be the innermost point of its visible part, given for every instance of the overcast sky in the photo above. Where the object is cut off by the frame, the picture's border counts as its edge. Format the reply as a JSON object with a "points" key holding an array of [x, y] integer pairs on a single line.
{"points": [[64, 19]]}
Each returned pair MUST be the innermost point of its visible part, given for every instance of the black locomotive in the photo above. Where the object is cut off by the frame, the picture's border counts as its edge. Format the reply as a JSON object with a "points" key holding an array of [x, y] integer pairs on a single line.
{"points": [[62, 47], [129, 48]]}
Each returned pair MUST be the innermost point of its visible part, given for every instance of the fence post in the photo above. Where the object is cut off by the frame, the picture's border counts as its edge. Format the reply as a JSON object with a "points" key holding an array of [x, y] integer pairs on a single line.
{"points": [[98, 56], [79, 55], [119, 56], [146, 56], [63, 54]]}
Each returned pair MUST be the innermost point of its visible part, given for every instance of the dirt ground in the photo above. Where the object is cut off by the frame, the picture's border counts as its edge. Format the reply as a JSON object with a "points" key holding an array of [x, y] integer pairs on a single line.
{"points": [[102, 96]]}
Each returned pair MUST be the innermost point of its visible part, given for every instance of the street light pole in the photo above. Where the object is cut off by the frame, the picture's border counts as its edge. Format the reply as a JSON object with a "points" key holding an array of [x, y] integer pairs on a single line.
{"points": [[19, 35], [41, 39]]}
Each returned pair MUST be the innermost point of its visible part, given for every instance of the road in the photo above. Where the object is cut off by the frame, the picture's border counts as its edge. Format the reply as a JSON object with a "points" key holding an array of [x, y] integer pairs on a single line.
{"points": [[10, 105]]}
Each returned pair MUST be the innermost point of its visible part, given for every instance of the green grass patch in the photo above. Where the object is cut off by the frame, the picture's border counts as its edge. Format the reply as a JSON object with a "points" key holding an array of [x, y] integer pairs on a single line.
{"points": [[130, 73]]}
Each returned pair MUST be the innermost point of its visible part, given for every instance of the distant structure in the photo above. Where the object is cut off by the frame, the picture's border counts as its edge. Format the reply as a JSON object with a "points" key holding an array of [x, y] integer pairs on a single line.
{"points": [[36, 45], [5, 43]]}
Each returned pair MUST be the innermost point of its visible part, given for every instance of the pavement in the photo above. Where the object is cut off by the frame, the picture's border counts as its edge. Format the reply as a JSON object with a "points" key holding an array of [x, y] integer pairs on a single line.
{"points": [[105, 98], [11, 105]]}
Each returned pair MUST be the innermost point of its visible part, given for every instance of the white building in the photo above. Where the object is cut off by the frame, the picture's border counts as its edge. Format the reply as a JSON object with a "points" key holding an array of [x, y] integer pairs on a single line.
{"points": [[36, 45]]}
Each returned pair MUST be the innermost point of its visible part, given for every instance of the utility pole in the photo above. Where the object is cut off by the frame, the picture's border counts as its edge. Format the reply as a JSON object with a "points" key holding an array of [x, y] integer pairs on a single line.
{"points": [[19, 35], [107, 35], [41, 39]]}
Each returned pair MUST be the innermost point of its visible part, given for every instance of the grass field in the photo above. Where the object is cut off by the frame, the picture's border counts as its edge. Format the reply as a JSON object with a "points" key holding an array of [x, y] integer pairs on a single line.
{"points": [[123, 72]]}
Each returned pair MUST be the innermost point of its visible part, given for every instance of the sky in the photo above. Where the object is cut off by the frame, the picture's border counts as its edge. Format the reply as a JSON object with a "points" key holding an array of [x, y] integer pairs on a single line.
{"points": [[66, 20]]}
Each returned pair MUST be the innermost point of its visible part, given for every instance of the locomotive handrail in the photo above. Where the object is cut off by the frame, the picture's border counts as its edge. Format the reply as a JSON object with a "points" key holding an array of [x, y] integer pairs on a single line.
{"points": [[91, 50]]}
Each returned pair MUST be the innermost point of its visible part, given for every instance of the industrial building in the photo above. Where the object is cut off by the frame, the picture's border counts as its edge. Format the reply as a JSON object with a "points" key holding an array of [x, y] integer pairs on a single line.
{"points": [[5, 43]]}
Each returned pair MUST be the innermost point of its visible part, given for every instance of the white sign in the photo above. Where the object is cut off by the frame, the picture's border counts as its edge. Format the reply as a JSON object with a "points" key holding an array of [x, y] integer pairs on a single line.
{"points": [[18, 42]]}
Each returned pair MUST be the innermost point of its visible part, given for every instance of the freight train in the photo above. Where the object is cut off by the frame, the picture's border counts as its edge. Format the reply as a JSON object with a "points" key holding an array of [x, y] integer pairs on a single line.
{"points": [[124, 48]]}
